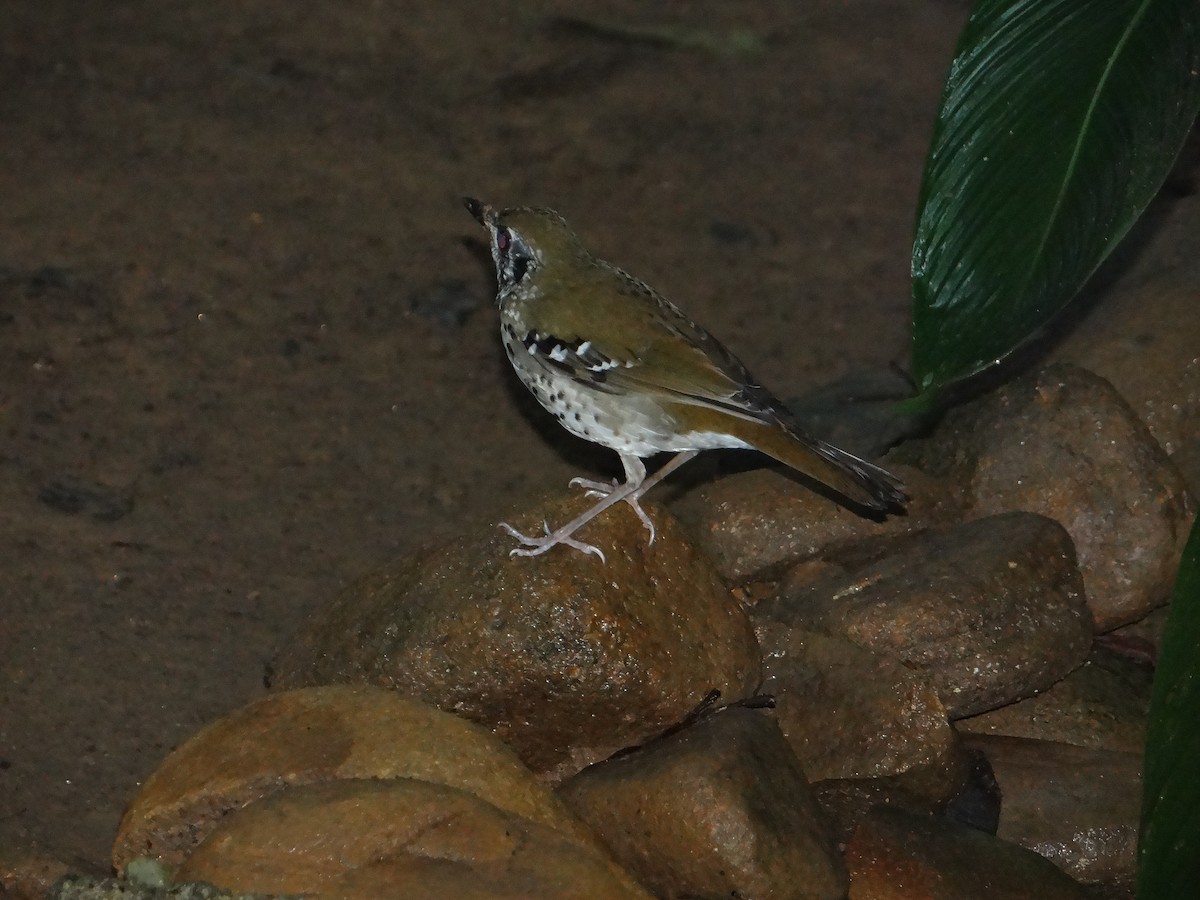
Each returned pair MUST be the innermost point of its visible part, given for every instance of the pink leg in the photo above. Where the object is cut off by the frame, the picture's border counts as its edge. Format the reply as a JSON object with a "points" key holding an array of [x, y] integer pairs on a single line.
{"points": [[635, 486]]}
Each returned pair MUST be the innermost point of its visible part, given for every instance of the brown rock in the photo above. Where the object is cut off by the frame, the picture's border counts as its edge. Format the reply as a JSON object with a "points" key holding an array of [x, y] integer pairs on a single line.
{"points": [[1143, 335], [364, 839], [849, 712], [988, 612], [1101, 704], [755, 525], [865, 728], [901, 856], [28, 873], [314, 735], [566, 658], [1076, 806], [1135, 343], [1063, 443], [89, 887], [717, 809]]}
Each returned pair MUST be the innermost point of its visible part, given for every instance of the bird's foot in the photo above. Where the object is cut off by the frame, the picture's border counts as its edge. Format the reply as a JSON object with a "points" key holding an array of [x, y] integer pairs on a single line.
{"points": [[535, 546], [594, 488], [604, 488]]}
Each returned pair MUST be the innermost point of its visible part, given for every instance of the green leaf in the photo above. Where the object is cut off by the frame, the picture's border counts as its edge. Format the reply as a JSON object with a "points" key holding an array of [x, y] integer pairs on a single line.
{"points": [[1169, 846], [1059, 121]]}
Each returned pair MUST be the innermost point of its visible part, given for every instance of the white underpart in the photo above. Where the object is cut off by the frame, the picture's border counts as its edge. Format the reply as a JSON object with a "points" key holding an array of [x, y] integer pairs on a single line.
{"points": [[634, 425]]}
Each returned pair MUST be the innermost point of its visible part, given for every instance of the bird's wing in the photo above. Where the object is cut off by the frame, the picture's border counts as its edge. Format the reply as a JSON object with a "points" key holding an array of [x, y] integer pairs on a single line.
{"points": [[629, 339]]}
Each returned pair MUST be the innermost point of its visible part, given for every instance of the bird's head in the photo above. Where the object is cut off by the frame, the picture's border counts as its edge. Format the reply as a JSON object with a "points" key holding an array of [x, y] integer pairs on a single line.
{"points": [[525, 241]]}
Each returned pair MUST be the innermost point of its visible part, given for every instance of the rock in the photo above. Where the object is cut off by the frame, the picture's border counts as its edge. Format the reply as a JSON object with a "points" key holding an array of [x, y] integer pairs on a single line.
{"points": [[1063, 443], [1077, 806], [861, 740], [1140, 640], [898, 856], [568, 659], [28, 873], [719, 808], [754, 525], [88, 887], [1137, 336], [362, 839], [845, 725], [1150, 360], [978, 803], [315, 735], [988, 612], [1101, 704]]}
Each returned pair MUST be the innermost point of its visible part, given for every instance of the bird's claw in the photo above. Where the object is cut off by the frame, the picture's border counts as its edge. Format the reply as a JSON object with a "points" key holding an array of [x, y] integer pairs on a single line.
{"points": [[594, 488], [535, 546]]}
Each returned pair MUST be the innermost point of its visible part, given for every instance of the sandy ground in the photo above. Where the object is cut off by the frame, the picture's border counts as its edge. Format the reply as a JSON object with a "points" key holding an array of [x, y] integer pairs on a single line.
{"points": [[247, 349]]}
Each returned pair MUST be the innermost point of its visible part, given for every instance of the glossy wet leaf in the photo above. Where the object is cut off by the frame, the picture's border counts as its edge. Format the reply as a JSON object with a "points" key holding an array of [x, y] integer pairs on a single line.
{"points": [[1059, 122], [1169, 848]]}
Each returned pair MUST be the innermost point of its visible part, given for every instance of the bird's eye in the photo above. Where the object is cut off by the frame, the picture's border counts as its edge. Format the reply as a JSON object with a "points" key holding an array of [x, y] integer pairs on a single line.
{"points": [[503, 240]]}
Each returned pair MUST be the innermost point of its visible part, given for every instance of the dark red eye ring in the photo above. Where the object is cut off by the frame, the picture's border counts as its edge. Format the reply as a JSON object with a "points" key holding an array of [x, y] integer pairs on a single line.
{"points": [[503, 240]]}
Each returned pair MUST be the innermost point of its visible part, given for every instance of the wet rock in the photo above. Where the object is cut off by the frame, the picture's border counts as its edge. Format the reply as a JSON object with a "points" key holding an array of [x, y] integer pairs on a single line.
{"points": [[1101, 704], [720, 808], [859, 411], [568, 659], [1137, 338], [988, 612], [87, 887], [756, 524], [1076, 806], [842, 724], [896, 856], [362, 839], [978, 803], [28, 873], [315, 735], [861, 739], [1151, 361], [1063, 443]]}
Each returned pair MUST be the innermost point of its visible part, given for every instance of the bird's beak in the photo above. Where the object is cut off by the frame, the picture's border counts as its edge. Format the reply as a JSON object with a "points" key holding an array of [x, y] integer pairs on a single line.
{"points": [[481, 211]]}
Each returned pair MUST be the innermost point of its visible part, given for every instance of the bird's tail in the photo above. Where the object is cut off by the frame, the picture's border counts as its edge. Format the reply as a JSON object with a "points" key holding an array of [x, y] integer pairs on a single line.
{"points": [[856, 479]]}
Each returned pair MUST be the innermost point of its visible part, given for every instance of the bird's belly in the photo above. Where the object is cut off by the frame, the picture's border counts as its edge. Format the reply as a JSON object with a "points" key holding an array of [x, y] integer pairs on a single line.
{"points": [[630, 425], [617, 421], [626, 423]]}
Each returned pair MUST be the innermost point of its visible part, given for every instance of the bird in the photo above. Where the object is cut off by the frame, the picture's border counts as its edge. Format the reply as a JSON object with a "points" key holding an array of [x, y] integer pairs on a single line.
{"points": [[621, 366]]}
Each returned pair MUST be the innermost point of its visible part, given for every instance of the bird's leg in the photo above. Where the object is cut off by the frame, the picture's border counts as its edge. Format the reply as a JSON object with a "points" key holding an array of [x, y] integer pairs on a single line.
{"points": [[635, 472], [668, 467], [636, 484], [646, 483]]}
